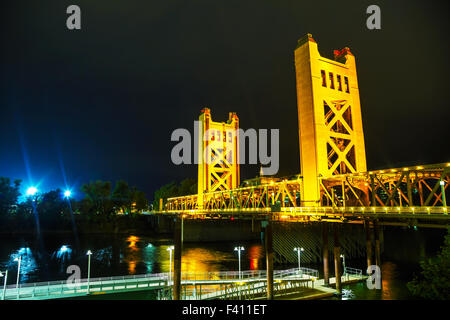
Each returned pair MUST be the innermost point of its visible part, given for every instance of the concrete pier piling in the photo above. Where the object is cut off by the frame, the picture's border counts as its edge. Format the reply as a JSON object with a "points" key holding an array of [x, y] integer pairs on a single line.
{"points": [[269, 259], [326, 270], [337, 259]]}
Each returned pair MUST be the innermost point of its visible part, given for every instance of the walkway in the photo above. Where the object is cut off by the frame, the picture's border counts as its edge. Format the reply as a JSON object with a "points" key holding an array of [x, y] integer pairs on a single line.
{"points": [[196, 285]]}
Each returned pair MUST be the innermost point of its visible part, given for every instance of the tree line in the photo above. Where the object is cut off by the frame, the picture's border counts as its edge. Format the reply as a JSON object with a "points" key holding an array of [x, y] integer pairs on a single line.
{"points": [[101, 203], [173, 189]]}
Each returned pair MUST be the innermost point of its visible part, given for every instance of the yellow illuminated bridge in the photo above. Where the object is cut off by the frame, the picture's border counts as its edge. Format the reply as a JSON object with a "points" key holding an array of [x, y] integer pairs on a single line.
{"points": [[334, 183]]}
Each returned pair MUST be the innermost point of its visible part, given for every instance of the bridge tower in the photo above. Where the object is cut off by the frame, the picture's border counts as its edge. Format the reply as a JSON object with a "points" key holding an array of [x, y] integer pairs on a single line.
{"points": [[218, 154], [329, 115]]}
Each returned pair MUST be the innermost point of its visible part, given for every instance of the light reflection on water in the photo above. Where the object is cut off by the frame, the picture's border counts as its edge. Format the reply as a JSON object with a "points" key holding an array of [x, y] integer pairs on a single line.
{"points": [[393, 280], [117, 256], [27, 262], [139, 254]]}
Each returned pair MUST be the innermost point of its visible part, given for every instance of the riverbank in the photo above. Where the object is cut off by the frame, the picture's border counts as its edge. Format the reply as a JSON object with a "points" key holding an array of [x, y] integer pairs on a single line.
{"points": [[119, 225]]}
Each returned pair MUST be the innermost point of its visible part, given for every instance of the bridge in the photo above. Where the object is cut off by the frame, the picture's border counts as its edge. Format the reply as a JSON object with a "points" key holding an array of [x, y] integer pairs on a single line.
{"points": [[333, 186], [393, 195], [197, 285]]}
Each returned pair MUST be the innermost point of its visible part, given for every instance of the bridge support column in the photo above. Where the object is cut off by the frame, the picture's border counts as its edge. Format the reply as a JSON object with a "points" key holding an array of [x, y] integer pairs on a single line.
{"points": [[337, 259], [269, 259], [182, 230], [177, 260], [326, 270], [368, 243], [377, 245]]}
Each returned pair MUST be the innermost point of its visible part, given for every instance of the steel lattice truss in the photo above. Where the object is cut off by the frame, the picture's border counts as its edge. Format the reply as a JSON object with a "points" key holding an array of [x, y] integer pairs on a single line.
{"points": [[402, 191], [340, 144]]}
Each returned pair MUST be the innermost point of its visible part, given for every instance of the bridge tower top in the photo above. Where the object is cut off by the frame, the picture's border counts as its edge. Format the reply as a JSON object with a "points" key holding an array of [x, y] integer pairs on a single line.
{"points": [[218, 154], [329, 113]]}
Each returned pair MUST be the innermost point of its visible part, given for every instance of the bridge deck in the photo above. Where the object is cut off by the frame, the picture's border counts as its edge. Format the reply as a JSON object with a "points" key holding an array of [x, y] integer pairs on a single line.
{"points": [[436, 217], [410, 193]]}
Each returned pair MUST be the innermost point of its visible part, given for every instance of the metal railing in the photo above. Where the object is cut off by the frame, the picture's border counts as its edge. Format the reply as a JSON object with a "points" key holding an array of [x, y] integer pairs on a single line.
{"points": [[348, 272], [56, 289], [250, 283], [256, 289]]}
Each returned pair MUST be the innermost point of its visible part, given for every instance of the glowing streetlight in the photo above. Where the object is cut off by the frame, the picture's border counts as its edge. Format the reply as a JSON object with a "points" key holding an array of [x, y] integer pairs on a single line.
{"points": [[4, 283], [67, 193], [89, 253], [239, 249], [299, 250], [170, 249], [31, 191], [343, 263]]}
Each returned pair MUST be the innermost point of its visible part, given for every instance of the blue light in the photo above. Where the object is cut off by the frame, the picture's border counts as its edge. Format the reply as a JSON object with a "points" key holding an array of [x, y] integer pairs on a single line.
{"points": [[67, 193], [31, 191]]}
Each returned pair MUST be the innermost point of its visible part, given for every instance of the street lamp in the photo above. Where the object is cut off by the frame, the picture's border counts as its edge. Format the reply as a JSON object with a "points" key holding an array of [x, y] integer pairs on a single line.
{"points": [[170, 249], [31, 191], [89, 253], [19, 260], [18, 270], [343, 263], [4, 283], [67, 193], [299, 250], [239, 249]]}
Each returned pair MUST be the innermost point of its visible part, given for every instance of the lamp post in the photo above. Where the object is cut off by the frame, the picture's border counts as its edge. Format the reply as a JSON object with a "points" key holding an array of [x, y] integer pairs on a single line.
{"points": [[4, 283], [18, 270], [170, 249], [239, 249], [343, 263], [89, 253], [19, 260], [299, 250]]}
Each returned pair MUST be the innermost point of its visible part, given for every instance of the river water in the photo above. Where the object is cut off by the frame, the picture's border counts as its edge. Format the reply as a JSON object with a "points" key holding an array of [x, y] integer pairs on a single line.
{"points": [[137, 254]]}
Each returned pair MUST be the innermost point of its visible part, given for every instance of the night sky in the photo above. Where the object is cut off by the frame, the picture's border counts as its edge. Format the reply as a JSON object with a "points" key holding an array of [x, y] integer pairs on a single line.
{"points": [[102, 102]]}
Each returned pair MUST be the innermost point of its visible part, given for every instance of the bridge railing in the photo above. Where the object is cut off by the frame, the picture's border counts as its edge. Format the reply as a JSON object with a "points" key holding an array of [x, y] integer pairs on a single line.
{"points": [[436, 210], [248, 274], [83, 286], [409, 190], [150, 276], [366, 210], [251, 289], [348, 271], [62, 287]]}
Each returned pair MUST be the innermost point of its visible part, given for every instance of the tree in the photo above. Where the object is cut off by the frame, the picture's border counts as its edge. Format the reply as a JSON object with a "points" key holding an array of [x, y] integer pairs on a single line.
{"points": [[23, 219], [186, 187], [121, 196], [9, 195], [53, 210], [98, 198], [139, 199], [434, 282], [166, 191]]}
